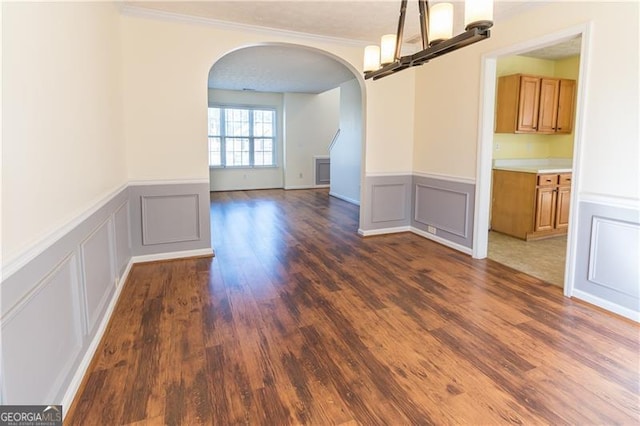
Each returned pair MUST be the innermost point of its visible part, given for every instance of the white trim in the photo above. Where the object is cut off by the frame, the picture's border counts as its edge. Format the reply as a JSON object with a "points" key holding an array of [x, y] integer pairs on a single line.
{"points": [[168, 182], [343, 198], [485, 133], [605, 304], [287, 188], [173, 255], [384, 231], [384, 174], [419, 232], [578, 148], [480, 237], [15, 263], [449, 178], [450, 244], [79, 375], [609, 200], [320, 186], [18, 261], [141, 12]]}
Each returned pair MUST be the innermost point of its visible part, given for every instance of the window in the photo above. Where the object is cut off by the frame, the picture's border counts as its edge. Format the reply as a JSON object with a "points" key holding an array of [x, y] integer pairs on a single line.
{"points": [[242, 137]]}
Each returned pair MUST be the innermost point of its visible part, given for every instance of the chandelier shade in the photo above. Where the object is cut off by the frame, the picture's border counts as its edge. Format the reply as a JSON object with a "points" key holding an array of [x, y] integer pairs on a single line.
{"points": [[436, 31]]}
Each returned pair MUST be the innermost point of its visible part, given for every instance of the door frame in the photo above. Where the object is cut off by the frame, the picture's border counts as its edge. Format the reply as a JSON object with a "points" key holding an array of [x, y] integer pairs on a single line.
{"points": [[485, 142]]}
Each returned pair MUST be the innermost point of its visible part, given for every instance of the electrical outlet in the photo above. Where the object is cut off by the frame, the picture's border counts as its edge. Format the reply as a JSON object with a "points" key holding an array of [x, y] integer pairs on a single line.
{"points": [[300, 175], [431, 229], [497, 147]]}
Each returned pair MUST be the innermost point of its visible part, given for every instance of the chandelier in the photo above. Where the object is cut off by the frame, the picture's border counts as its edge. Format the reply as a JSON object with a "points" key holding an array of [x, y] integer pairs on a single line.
{"points": [[436, 30]]}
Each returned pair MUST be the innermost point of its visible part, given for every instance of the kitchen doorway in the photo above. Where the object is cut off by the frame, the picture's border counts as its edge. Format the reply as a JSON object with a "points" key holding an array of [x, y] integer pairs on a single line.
{"points": [[518, 253], [517, 154]]}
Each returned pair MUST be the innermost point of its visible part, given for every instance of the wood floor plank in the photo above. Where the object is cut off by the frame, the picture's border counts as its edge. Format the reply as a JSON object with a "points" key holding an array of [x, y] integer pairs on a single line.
{"points": [[298, 320]]}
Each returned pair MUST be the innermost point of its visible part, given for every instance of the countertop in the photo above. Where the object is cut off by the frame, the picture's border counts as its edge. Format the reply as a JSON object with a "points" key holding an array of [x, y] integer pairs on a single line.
{"points": [[535, 165]]}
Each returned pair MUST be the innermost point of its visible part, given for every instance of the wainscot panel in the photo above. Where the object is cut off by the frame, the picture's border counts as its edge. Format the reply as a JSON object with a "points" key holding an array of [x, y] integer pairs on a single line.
{"points": [[169, 217], [444, 206], [47, 302], [42, 338], [608, 248], [389, 203], [56, 302], [98, 272], [122, 226]]}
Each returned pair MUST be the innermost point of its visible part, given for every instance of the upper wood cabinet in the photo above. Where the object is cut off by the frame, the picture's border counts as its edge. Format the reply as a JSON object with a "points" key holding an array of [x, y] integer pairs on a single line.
{"points": [[532, 104]]}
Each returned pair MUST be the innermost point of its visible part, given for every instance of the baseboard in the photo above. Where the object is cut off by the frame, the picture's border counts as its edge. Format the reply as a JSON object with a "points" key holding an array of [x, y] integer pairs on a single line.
{"points": [[343, 198], [383, 231], [208, 252], [290, 187], [607, 305], [444, 242], [78, 377]]}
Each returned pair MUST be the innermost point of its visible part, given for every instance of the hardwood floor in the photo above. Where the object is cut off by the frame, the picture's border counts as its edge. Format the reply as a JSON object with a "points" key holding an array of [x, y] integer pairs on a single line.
{"points": [[298, 320]]}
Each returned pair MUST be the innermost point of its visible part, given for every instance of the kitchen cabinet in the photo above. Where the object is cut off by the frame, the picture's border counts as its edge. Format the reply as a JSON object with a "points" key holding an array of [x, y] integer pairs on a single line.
{"points": [[533, 104], [530, 205]]}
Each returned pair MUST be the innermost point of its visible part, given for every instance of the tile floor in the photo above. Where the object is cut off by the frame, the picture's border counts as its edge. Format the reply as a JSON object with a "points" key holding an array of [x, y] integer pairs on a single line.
{"points": [[544, 259]]}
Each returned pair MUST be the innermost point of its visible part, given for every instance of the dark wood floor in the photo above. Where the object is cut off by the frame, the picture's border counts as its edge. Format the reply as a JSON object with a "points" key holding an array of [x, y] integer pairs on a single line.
{"points": [[298, 320]]}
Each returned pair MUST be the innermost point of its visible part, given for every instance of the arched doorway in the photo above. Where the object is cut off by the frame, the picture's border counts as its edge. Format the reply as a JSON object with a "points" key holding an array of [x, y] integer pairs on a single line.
{"points": [[317, 102]]}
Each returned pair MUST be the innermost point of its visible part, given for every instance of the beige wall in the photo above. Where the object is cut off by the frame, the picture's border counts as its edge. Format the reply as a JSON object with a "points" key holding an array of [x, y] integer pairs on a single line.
{"points": [[449, 89], [165, 130], [83, 79], [62, 141]]}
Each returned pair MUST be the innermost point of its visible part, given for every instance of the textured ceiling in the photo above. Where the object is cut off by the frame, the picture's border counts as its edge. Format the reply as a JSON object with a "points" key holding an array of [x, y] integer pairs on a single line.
{"points": [[276, 68], [557, 51]]}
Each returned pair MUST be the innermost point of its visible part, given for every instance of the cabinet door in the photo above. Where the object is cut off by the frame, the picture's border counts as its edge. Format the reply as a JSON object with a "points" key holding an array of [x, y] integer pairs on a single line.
{"points": [[545, 209], [528, 106], [562, 210], [548, 114], [566, 97]]}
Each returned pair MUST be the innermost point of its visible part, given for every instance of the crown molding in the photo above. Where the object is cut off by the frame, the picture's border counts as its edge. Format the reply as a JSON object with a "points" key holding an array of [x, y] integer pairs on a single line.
{"points": [[141, 12]]}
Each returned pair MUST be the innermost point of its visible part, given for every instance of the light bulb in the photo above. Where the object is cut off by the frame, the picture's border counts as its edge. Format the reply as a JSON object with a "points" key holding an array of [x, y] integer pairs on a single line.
{"points": [[371, 58]]}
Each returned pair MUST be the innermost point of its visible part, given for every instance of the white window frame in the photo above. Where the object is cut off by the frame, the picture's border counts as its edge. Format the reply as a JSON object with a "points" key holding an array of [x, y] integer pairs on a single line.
{"points": [[251, 137]]}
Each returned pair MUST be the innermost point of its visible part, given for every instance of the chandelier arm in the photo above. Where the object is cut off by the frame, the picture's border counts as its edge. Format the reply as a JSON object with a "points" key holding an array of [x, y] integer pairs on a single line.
{"points": [[423, 6], [399, 33]]}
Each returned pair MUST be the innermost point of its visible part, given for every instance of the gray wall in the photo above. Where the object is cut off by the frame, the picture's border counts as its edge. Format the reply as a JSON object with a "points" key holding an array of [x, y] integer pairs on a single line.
{"points": [[608, 249], [170, 218], [55, 306], [388, 206], [439, 208], [444, 206]]}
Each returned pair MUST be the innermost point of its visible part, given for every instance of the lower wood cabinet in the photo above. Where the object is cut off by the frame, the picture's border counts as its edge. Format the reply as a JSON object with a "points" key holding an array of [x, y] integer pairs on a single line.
{"points": [[529, 205]]}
